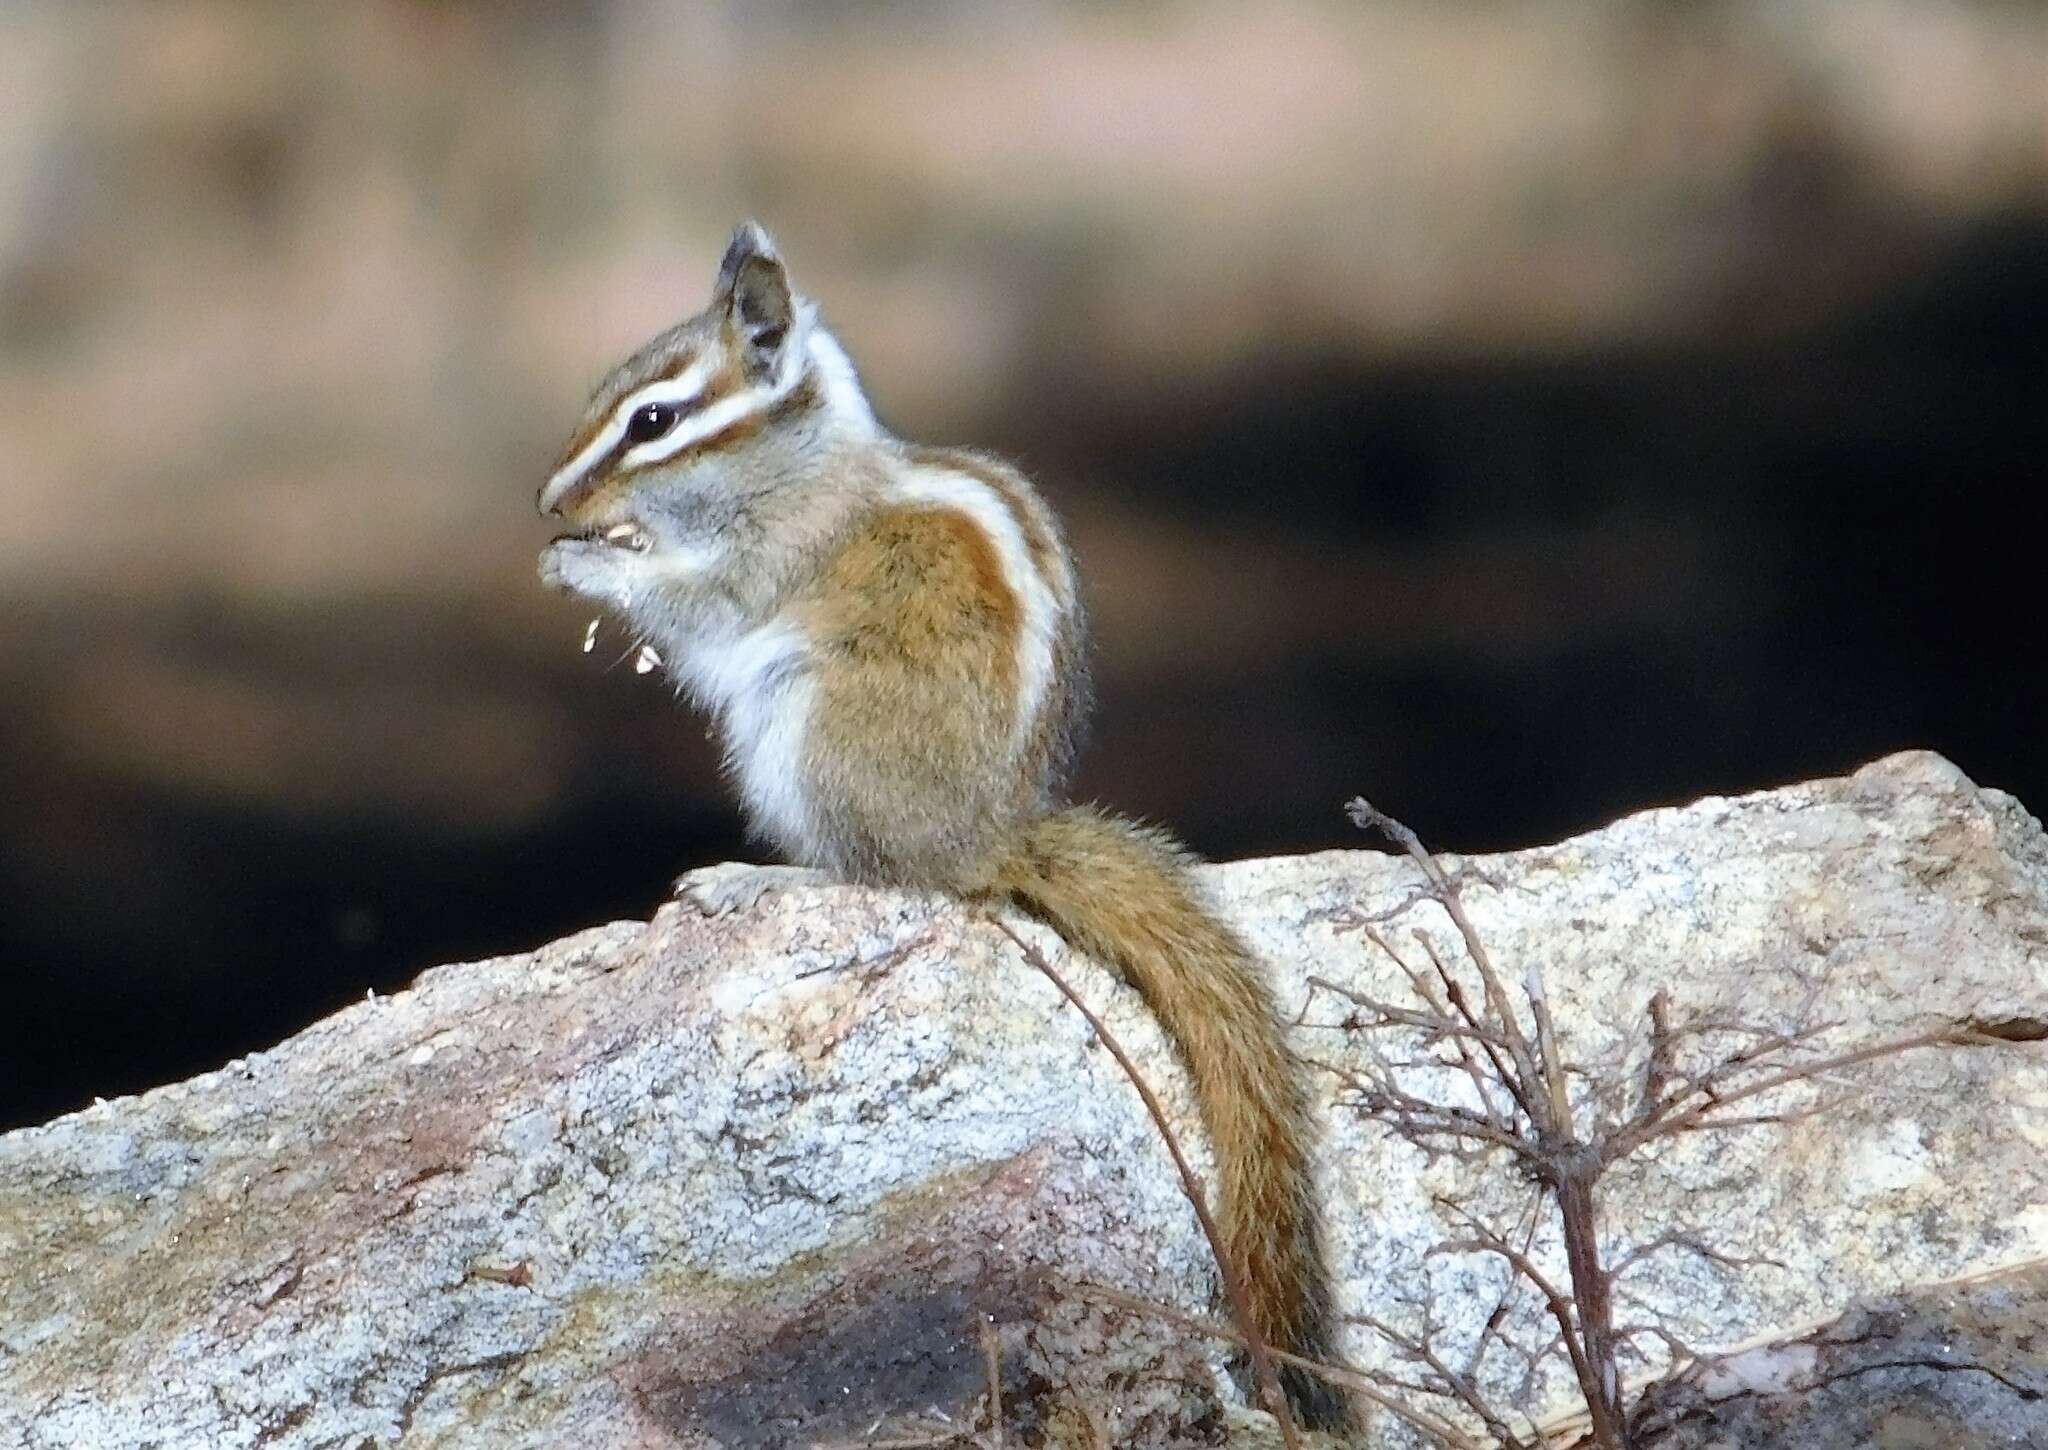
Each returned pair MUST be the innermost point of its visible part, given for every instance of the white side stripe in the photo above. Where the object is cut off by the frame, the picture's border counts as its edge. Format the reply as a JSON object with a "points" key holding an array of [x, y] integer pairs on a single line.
{"points": [[1038, 610]]}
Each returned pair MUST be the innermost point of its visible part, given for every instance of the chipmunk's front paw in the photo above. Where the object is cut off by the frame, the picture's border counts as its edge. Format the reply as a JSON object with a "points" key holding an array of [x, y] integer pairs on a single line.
{"points": [[587, 567], [737, 887]]}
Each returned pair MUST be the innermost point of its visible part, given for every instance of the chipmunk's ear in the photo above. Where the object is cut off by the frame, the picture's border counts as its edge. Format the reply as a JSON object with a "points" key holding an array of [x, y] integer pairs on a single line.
{"points": [[753, 288]]}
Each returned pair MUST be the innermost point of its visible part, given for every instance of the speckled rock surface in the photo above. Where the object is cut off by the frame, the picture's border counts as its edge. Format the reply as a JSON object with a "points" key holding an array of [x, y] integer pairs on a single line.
{"points": [[756, 1182], [1897, 897], [684, 1183]]}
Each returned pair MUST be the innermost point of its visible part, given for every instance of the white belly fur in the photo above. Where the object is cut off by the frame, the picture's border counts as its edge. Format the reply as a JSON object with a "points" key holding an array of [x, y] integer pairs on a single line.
{"points": [[757, 685]]}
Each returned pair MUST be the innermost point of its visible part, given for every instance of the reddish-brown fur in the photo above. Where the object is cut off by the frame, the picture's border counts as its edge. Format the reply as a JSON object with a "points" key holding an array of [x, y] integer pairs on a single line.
{"points": [[913, 638]]}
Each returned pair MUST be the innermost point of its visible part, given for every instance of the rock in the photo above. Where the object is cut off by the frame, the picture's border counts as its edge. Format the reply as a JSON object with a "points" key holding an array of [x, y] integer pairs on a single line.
{"points": [[761, 1181], [1956, 1364]]}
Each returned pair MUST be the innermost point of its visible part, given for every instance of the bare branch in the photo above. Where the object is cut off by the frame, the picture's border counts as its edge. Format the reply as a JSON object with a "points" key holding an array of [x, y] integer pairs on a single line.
{"points": [[1712, 1113], [1546, 1051], [1567, 1148], [1448, 1382], [1662, 1062], [1419, 1118], [1538, 1083], [1690, 1242], [1517, 1079], [1485, 1240], [1527, 1220], [1436, 1023]]}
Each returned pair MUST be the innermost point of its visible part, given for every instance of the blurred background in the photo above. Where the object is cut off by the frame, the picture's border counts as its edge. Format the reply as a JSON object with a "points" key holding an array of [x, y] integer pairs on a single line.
{"points": [[1519, 413]]}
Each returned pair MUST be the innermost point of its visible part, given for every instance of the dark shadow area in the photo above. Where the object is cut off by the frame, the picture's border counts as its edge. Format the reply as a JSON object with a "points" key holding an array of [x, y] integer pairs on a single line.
{"points": [[1855, 574]]}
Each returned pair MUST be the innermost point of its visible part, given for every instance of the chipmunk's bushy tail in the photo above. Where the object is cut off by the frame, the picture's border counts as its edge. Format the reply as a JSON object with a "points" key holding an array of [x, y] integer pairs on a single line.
{"points": [[1122, 894]]}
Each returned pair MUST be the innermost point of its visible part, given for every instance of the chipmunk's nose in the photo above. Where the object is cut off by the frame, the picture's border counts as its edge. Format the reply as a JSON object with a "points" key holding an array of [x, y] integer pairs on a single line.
{"points": [[557, 490]]}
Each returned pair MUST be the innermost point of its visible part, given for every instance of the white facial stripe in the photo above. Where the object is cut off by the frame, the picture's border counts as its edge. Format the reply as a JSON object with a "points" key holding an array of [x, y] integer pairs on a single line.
{"points": [[1038, 609], [678, 391]]}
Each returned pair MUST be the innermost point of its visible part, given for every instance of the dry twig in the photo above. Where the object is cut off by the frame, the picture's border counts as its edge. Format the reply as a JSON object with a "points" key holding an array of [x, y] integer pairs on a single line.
{"points": [[1523, 1086]]}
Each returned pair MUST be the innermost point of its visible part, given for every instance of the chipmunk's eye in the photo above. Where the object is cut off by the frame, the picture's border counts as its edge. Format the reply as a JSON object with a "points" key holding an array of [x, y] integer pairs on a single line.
{"points": [[650, 422]]}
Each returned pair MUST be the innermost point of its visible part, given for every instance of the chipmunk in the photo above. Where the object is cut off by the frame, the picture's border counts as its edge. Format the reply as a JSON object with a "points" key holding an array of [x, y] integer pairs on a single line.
{"points": [[889, 639]]}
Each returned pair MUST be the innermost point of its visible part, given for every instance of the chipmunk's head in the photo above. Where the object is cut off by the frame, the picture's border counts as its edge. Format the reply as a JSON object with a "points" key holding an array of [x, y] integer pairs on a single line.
{"points": [[720, 408]]}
